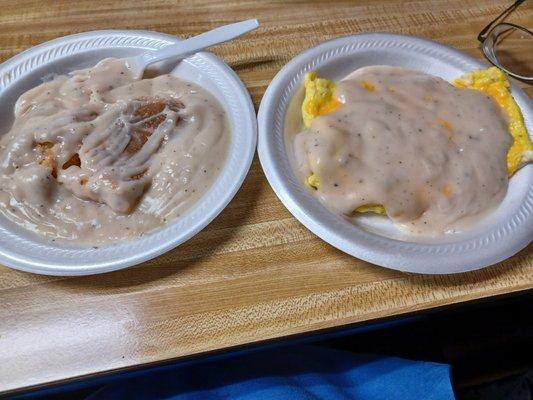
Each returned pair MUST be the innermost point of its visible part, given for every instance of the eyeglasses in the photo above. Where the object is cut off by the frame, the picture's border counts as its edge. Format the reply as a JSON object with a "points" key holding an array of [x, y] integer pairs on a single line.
{"points": [[509, 46]]}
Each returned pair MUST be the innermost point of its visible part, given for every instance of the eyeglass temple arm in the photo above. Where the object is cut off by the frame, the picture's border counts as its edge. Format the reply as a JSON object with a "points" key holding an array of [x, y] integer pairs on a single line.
{"points": [[483, 34]]}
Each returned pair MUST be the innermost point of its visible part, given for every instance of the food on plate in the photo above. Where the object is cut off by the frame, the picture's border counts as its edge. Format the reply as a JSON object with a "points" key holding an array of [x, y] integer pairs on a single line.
{"points": [[429, 155], [494, 82], [97, 156]]}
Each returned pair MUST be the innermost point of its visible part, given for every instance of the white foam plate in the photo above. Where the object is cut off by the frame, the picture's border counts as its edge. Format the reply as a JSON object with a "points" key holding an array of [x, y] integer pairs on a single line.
{"points": [[25, 251], [496, 237]]}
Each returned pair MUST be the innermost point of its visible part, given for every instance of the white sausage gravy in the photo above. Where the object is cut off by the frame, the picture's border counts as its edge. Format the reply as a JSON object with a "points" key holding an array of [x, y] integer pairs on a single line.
{"points": [[98, 157], [431, 154]]}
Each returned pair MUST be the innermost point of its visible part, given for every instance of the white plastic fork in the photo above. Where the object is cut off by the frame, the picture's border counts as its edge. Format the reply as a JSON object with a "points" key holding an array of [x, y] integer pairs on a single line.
{"points": [[180, 50]]}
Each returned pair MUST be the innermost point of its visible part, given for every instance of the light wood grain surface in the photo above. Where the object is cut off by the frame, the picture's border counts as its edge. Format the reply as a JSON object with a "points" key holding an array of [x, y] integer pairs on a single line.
{"points": [[255, 273]]}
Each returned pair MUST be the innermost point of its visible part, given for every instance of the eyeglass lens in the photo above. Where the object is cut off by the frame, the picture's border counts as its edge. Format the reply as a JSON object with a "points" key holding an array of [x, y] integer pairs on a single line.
{"points": [[513, 49]]}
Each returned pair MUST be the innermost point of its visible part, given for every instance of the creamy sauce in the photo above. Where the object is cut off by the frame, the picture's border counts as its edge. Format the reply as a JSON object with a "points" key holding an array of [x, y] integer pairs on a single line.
{"points": [[431, 154], [97, 157]]}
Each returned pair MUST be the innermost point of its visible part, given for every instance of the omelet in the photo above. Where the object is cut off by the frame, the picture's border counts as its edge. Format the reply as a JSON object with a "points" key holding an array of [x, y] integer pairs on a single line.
{"points": [[493, 82], [320, 99]]}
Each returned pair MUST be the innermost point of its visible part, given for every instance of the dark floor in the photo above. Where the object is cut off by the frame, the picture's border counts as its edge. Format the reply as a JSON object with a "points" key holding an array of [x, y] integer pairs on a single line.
{"points": [[489, 345]]}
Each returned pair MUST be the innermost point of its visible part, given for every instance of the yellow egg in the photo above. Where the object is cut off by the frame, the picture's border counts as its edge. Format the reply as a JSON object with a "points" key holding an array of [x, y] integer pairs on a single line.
{"points": [[319, 99], [493, 82]]}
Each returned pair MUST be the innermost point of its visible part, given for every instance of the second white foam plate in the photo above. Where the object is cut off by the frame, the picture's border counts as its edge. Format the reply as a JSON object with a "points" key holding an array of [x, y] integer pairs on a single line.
{"points": [[504, 232]]}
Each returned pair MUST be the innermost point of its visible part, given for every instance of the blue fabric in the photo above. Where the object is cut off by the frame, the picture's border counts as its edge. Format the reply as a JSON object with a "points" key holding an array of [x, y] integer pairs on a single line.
{"points": [[298, 373]]}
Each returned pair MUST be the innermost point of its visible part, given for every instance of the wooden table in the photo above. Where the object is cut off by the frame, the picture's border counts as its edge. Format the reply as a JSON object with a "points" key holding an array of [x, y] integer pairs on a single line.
{"points": [[255, 273]]}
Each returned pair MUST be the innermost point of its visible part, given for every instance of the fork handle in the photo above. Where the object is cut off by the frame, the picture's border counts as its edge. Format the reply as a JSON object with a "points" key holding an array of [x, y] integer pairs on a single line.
{"points": [[200, 42]]}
